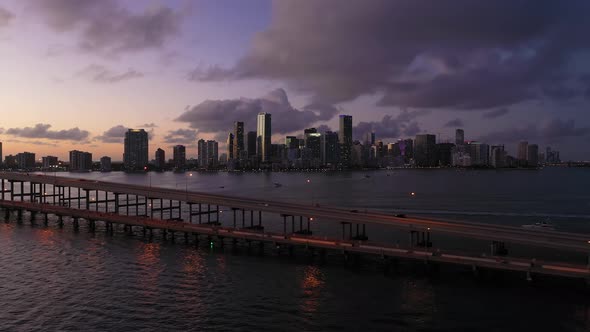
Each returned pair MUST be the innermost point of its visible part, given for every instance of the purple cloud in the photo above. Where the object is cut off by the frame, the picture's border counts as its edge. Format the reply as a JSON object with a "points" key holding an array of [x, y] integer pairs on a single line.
{"points": [[41, 130], [218, 116], [421, 54], [107, 27]]}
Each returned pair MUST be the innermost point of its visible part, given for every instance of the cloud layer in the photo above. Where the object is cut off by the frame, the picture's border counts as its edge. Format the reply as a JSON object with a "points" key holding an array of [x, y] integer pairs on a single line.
{"points": [[550, 132], [181, 136], [460, 54], [41, 130], [5, 17], [391, 127], [101, 74], [218, 116], [107, 27]]}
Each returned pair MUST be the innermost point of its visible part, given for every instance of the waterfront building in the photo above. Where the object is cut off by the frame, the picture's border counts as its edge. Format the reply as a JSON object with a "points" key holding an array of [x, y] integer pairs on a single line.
{"points": [[80, 161], [179, 156], [105, 164], [425, 150], [263, 137], [238, 140], [522, 151], [532, 155], [160, 159], [135, 156], [345, 138], [459, 137], [49, 162]]}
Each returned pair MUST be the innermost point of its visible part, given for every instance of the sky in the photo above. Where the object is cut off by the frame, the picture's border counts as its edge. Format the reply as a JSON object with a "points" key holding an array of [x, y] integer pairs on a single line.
{"points": [[75, 74]]}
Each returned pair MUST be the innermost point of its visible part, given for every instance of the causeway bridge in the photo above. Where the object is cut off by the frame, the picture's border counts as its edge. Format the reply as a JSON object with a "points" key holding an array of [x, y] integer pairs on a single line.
{"points": [[289, 225]]}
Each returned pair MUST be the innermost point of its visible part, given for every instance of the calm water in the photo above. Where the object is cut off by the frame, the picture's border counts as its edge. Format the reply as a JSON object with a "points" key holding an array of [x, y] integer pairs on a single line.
{"points": [[57, 279]]}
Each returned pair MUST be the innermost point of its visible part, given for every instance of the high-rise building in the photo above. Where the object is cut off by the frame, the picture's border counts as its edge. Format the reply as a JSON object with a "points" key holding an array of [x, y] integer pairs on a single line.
{"points": [[49, 162], [179, 156], [208, 153], [345, 138], [160, 159], [135, 156], [425, 150], [25, 160], [10, 161], [80, 161], [230, 146], [497, 156], [522, 151], [1, 158], [444, 153], [313, 143], [105, 164], [251, 143], [459, 137], [480, 153], [372, 138], [238, 142], [263, 137], [532, 155], [329, 148]]}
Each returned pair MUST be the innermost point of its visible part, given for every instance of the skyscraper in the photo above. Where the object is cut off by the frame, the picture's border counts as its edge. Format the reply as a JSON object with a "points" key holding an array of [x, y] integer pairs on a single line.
{"points": [[179, 156], [160, 159], [522, 150], [329, 148], [251, 143], [345, 137], [238, 140], [135, 156], [230, 146], [532, 155], [25, 160], [263, 137], [459, 137], [208, 153], [425, 150]]}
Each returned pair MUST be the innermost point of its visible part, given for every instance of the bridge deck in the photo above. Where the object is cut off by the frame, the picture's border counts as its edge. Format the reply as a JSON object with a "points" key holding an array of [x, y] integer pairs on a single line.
{"points": [[538, 238], [361, 247]]}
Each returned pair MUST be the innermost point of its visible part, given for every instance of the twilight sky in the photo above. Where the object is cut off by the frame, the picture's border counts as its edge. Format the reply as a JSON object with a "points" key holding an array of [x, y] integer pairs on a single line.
{"points": [[77, 73]]}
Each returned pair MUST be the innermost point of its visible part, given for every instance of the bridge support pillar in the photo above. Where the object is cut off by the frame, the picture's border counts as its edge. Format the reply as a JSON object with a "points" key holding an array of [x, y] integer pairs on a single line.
{"points": [[45, 219], [498, 248], [185, 237], [76, 224], [6, 214], [19, 215]]}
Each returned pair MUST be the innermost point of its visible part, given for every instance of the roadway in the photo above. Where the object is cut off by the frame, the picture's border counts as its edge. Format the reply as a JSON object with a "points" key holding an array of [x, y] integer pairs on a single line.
{"points": [[509, 234]]}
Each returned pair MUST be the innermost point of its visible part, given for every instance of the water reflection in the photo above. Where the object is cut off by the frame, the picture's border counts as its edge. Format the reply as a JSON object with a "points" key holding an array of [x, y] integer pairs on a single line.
{"points": [[150, 268], [418, 300], [312, 285]]}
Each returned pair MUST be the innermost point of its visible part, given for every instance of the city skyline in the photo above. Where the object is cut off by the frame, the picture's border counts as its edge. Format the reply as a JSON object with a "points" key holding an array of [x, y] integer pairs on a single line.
{"points": [[193, 76]]}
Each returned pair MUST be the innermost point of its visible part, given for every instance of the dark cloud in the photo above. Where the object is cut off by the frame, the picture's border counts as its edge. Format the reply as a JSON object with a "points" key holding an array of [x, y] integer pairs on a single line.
{"points": [[454, 123], [323, 128], [461, 54], [5, 17], [101, 74], [107, 27], [42, 143], [114, 134], [42, 131], [181, 136], [148, 125], [391, 127], [496, 113], [550, 132], [218, 116]]}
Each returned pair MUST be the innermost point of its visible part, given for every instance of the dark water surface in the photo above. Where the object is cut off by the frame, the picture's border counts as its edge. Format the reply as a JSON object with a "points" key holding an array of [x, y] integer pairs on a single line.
{"points": [[55, 279]]}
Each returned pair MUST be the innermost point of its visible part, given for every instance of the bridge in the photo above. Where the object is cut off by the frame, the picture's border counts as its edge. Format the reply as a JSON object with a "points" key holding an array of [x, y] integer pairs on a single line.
{"points": [[285, 224]]}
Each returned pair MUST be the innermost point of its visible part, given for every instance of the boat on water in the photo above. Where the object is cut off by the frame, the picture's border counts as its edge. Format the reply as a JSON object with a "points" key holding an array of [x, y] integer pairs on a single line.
{"points": [[277, 185], [541, 225]]}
